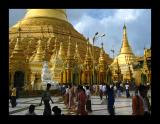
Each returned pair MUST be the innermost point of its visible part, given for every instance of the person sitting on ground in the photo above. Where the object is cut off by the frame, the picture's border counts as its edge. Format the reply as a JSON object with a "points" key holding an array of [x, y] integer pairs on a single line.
{"points": [[56, 110], [31, 110]]}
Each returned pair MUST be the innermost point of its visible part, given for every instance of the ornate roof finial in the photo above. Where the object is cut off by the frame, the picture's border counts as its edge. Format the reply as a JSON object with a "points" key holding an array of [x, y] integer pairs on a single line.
{"points": [[102, 45], [124, 27], [19, 30], [102, 58]]}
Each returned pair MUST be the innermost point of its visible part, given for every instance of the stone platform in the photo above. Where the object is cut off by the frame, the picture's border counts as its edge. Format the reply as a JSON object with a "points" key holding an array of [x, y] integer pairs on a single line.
{"points": [[123, 106]]}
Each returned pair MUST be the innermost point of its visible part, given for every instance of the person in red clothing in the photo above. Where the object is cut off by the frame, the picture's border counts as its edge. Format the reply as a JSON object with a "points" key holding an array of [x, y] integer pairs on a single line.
{"points": [[137, 104], [81, 101], [140, 103]]}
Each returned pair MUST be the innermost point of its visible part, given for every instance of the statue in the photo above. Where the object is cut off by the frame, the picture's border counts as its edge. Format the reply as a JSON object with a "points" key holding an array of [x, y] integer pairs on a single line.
{"points": [[46, 77], [36, 84]]}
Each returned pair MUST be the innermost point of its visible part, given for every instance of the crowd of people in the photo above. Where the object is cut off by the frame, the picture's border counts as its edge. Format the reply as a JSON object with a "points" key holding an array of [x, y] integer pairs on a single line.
{"points": [[77, 98]]}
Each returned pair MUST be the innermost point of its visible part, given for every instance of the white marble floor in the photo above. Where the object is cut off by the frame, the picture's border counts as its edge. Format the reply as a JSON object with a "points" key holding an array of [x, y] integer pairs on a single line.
{"points": [[123, 106]]}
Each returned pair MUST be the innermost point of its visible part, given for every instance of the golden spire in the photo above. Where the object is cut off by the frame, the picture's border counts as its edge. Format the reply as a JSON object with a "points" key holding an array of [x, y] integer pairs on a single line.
{"points": [[18, 46], [39, 54], [28, 51], [77, 55], [125, 49], [69, 59], [69, 48], [88, 55], [45, 53], [102, 62], [61, 51], [118, 67], [145, 65], [102, 51], [55, 51], [102, 55], [18, 51]]}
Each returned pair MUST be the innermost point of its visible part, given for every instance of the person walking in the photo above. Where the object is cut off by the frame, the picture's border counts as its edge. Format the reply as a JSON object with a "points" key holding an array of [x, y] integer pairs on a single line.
{"points": [[121, 88], [66, 96], [137, 104], [71, 97], [81, 101], [101, 92], [88, 103], [127, 90], [140, 103], [13, 97], [96, 89], [147, 106], [118, 89], [104, 89], [111, 99], [46, 98]]}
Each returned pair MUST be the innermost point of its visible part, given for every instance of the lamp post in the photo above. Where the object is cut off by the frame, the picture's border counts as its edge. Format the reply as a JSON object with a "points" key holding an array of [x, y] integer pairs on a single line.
{"points": [[94, 38]]}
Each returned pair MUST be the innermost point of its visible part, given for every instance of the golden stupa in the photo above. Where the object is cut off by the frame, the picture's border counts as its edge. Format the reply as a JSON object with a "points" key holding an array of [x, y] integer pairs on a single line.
{"points": [[47, 35], [122, 63]]}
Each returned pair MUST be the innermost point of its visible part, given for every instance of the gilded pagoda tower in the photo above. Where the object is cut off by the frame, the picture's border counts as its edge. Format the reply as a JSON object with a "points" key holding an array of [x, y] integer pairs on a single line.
{"points": [[56, 62], [17, 64], [87, 67], [36, 64], [146, 71], [102, 67], [125, 58], [68, 65], [77, 66]]}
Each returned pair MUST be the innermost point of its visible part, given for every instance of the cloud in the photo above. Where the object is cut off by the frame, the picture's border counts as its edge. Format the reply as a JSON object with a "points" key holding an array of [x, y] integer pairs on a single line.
{"points": [[127, 15], [138, 23]]}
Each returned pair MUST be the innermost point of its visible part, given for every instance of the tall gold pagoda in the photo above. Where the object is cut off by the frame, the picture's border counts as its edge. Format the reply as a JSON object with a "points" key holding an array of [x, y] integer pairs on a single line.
{"points": [[47, 35], [125, 58], [102, 67]]}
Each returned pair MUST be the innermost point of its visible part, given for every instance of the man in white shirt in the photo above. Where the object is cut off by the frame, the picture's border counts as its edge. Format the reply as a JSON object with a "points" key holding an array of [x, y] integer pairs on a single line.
{"points": [[127, 90], [88, 103], [104, 89]]}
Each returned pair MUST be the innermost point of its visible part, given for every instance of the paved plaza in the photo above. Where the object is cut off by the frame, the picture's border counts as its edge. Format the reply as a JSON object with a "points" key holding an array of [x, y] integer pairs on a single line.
{"points": [[123, 106]]}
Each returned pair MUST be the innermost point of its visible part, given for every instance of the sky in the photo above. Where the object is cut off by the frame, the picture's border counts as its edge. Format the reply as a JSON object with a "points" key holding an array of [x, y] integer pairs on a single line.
{"points": [[109, 22]]}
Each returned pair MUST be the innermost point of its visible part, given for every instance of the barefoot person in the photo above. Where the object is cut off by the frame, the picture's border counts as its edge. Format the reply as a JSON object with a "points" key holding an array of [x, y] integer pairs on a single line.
{"points": [[46, 98]]}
